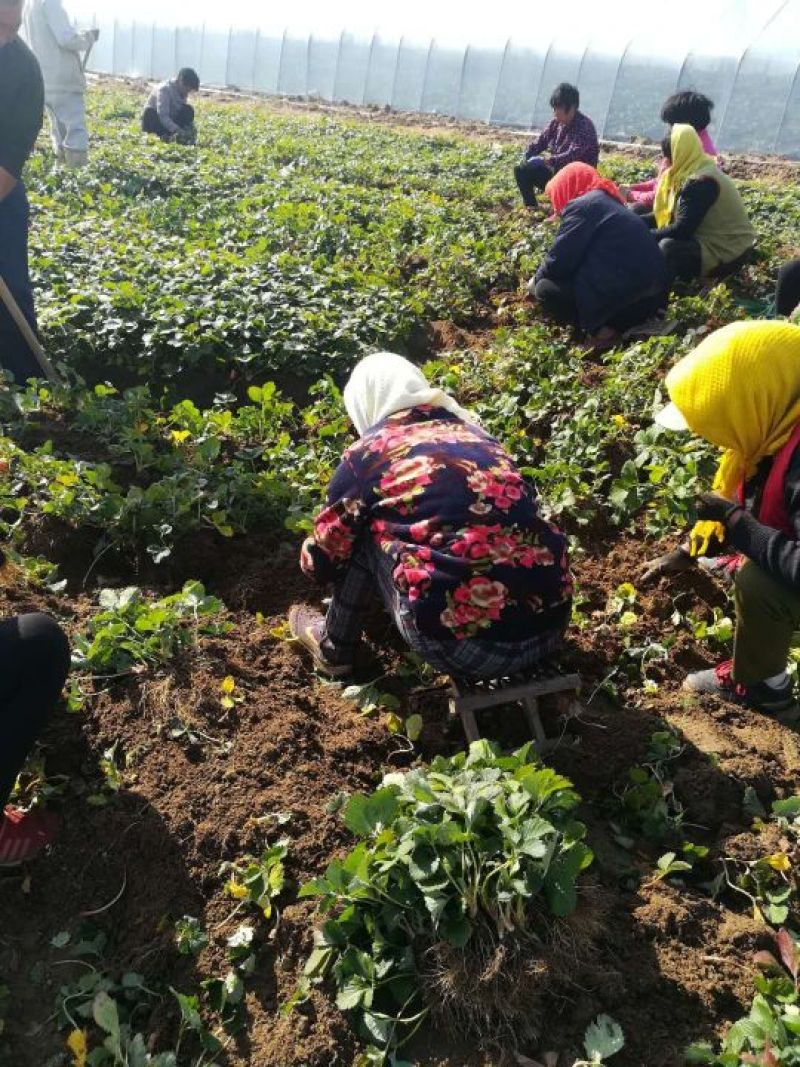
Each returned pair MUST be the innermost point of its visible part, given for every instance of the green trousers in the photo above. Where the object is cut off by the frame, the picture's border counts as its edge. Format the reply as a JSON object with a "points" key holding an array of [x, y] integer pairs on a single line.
{"points": [[767, 615]]}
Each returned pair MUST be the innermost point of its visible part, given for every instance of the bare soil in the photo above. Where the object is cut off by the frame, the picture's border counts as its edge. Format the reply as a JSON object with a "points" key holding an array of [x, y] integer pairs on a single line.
{"points": [[670, 965]]}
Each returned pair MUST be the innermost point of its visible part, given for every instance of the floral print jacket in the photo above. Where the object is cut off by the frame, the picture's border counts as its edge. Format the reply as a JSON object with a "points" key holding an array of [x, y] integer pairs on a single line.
{"points": [[471, 555]]}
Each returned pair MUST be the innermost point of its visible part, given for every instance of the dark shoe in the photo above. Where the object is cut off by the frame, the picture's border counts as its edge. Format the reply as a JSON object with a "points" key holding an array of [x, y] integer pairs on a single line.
{"points": [[23, 835], [605, 339], [718, 681], [308, 629]]}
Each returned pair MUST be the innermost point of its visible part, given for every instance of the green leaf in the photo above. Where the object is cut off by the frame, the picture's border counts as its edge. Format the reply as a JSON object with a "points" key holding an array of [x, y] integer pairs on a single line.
{"points": [[700, 1054], [106, 1015], [787, 809], [356, 992], [190, 1010], [603, 1039], [365, 814], [559, 887], [413, 727], [456, 931]]}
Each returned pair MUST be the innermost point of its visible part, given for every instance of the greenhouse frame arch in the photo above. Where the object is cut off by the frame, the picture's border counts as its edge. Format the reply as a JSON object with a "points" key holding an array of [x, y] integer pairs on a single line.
{"points": [[756, 88]]}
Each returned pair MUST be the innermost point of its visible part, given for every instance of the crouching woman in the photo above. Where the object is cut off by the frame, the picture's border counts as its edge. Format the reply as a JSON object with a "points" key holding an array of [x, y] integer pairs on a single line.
{"points": [[604, 272], [699, 218], [740, 390], [430, 511]]}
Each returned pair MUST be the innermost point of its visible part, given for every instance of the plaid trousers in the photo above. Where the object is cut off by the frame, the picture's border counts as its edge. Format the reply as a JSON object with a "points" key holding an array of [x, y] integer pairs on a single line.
{"points": [[471, 658]]}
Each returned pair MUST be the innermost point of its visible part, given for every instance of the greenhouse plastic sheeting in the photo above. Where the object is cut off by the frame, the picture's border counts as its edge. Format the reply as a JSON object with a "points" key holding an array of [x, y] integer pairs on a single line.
{"points": [[754, 80]]}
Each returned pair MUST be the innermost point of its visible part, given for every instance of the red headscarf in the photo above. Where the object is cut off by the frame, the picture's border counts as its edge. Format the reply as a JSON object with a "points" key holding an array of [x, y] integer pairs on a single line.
{"points": [[575, 180]]}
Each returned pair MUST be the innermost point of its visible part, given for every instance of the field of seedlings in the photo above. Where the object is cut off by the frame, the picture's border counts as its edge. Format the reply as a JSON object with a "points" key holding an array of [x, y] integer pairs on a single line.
{"points": [[257, 867]]}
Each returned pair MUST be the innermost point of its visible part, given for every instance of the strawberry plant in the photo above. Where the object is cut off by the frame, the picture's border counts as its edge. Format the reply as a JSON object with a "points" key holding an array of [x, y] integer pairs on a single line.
{"points": [[770, 1035], [646, 804], [771, 882], [258, 880], [131, 631], [480, 842]]}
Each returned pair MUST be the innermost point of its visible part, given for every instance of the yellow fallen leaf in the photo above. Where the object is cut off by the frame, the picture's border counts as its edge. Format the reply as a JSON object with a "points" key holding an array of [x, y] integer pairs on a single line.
{"points": [[228, 684], [779, 861], [76, 1043]]}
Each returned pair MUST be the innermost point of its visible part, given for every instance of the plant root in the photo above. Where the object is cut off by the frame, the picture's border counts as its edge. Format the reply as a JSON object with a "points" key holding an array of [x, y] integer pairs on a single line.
{"points": [[496, 988]]}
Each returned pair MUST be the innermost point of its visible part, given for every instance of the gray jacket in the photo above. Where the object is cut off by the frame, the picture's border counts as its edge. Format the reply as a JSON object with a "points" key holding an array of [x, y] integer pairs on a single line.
{"points": [[168, 102]]}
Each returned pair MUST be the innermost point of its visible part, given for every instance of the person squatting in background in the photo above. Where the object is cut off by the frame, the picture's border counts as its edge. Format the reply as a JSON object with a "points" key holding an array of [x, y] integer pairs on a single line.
{"points": [[688, 108], [603, 273], [570, 138], [21, 118], [429, 510], [167, 113], [34, 663], [59, 47], [740, 390], [699, 218]]}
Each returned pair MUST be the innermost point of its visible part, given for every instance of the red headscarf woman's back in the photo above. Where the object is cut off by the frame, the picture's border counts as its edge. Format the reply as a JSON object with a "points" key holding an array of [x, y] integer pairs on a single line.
{"points": [[577, 179]]}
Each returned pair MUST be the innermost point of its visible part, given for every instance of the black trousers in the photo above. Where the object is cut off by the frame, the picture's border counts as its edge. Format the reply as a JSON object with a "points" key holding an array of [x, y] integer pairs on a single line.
{"points": [[684, 259], [34, 663], [15, 355], [787, 290], [558, 301], [532, 174], [151, 123]]}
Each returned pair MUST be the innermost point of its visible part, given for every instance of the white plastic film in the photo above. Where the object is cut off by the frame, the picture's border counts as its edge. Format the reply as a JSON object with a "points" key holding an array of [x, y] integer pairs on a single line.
{"points": [[746, 57]]}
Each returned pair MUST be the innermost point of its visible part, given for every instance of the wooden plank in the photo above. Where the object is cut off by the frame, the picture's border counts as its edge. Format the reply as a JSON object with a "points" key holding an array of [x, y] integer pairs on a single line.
{"points": [[534, 719], [468, 720], [492, 697]]}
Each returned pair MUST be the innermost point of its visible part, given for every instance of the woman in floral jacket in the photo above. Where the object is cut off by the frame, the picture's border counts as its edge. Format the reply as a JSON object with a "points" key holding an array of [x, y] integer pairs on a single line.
{"points": [[431, 510]]}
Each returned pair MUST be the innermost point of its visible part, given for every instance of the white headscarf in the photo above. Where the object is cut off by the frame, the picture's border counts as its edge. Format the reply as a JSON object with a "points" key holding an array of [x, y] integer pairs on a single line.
{"points": [[384, 383]]}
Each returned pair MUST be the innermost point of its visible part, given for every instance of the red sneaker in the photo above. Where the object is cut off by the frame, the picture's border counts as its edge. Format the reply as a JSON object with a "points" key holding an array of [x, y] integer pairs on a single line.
{"points": [[23, 835], [718, 681]]}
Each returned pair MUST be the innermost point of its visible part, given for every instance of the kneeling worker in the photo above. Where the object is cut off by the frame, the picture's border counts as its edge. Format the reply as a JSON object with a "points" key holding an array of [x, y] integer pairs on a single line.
{"points": [[168, 114], [430, 511]]}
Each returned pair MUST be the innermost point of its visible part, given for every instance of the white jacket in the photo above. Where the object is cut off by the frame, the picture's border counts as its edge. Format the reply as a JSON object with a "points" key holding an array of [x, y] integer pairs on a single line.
{"points": [[58, 46]]}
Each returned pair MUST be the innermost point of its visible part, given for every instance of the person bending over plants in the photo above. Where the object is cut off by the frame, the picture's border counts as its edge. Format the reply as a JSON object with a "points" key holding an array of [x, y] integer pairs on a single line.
{"points": [[603, 272], [699, 219], [34, 662], [740, 390], [429, 510], [570, 137], [168, 114], [688, 107]]}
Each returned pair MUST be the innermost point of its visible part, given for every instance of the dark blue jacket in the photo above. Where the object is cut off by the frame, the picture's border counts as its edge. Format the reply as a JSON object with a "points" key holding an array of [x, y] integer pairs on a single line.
{"points": [[609, 256]]}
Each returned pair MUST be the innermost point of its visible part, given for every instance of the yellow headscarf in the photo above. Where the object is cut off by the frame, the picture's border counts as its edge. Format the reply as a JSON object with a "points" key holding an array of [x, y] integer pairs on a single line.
{"points": [[740, 390], [689, 159]]}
